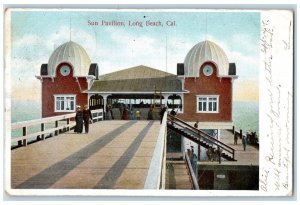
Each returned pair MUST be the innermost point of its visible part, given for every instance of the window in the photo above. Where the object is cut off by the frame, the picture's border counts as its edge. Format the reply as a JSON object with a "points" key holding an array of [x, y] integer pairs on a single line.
{"points": [[209, 104], [64, 103]]}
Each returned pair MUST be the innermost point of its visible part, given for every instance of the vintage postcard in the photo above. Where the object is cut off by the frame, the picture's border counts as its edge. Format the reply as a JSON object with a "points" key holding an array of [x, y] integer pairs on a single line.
{"points": [[149, 102]]}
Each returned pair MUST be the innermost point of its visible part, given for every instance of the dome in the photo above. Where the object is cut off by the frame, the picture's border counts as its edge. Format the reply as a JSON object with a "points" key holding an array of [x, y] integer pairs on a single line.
{"points": [[72, 53], [203, 52]]}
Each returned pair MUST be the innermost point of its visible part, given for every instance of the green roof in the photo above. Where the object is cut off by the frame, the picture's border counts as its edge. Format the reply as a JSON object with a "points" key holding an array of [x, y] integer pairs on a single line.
{"points": [[137, 79]]}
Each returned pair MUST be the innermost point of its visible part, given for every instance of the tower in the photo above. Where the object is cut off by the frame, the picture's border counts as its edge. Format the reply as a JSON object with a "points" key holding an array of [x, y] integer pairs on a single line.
{"points": [[66, 77]]}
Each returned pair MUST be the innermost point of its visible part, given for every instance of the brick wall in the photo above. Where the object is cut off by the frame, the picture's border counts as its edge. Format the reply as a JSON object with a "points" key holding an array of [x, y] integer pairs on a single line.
{"points": [[61, 85], [211, 85]]}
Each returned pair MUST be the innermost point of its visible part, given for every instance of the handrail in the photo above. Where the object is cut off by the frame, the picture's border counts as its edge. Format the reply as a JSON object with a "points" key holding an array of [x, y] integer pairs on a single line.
{"points": [[25, 124], [191, 172], [17, 125], [42, 120], [156, 173], [199, 134], [208, 137]]}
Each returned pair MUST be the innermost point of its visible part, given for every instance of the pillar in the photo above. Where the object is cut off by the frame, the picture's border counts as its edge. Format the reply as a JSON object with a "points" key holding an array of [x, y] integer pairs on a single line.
{"points": [[166, 96], [104, 104]]}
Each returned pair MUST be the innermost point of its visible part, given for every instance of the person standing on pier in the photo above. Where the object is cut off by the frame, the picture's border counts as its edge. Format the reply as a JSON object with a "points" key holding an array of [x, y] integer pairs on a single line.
{"points": [[79, 120], [87, 116], [244, 141], [150, 114], [138, 114], [161, 113], [236, 137]]}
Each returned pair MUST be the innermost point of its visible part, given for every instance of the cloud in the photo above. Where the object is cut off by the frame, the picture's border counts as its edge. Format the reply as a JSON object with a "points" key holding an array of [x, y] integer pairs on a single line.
{"points": [[122, 50], [31, 51]]}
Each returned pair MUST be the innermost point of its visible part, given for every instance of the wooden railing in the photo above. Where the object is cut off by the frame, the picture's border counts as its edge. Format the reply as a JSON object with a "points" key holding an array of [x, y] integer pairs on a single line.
{"points": [[192, 174], [43, 133]]}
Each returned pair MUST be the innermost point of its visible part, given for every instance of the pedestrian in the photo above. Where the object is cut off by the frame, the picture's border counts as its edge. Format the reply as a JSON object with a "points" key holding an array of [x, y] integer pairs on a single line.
{"points": [[108, 112], [161, 113], [150, 114], [236, 136], [79, 120], [131, 117], [111, 112], [87, 116], [244, 141], [173, 112], [138, 114], [194, 163], [196, 124], [125, 114], [121, 110]]}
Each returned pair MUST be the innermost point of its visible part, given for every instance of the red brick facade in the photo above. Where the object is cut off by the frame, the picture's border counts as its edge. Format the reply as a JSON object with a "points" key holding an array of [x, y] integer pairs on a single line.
{"points": [[62, 85], [211, 85]]}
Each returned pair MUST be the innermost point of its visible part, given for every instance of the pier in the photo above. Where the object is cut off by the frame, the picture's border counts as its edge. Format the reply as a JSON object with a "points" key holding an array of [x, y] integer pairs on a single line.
{"points": [[113, 155], [123, 154]]}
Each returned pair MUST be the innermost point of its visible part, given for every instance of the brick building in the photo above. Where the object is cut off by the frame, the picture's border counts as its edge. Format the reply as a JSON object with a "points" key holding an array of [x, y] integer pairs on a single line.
{"points": [[201, 90]]}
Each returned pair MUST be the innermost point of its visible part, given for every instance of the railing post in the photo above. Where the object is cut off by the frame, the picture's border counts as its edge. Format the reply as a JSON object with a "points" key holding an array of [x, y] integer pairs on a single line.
{"points": [[24, 134], [233, 130], [68, 122], [56, 125], [43, 129], [219, 155], [241, 134], [233, 154]]}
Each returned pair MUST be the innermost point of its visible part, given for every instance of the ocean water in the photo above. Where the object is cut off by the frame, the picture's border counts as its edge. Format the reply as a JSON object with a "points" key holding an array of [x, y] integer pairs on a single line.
{"points": [[245, 114], [23, 110]]}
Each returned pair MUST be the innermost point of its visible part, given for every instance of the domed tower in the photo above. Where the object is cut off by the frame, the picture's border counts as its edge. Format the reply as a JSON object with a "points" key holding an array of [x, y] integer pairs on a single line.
{"points": [[208, 77], [66, 77]]}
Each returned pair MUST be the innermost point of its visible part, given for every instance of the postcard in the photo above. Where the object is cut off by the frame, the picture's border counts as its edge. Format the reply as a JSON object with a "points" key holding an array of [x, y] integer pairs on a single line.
{"points": [[142, 102]]}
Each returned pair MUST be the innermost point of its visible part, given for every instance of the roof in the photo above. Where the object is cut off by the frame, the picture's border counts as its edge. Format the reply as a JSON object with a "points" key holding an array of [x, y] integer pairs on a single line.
{"points": [[72, 53], [137, 72], [205, 51], [137, 79]]}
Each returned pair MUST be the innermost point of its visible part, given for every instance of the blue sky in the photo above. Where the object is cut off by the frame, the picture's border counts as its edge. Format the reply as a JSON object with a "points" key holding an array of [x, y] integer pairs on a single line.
{"points": [[35, 35]]}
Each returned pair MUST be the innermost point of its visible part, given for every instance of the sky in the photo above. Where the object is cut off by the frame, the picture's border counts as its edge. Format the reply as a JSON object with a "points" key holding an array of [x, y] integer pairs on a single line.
{"points": [[36, 33]]}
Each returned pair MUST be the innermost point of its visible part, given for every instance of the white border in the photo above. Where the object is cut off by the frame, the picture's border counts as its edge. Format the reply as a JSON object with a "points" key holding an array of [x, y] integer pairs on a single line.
{"points": [[212, 4]]}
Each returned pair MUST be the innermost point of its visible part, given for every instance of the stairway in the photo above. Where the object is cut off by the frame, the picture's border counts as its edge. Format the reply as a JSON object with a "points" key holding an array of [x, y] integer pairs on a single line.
{"points": [[199, 137], [177, 176]]}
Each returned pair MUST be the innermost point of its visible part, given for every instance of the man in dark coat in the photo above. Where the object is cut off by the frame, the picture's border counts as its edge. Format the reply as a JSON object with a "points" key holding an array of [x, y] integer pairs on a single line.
{"points": [[87, 115], [161, 113], [79, 120]]}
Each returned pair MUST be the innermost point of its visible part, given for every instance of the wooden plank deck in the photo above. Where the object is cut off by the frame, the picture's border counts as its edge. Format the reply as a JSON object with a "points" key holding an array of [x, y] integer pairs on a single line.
{"points": [[177, 176], [248, 157], [113, 155]]}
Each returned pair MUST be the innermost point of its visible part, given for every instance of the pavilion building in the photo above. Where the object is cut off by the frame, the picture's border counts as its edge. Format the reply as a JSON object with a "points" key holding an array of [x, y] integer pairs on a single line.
{"points": [[200, 91]]}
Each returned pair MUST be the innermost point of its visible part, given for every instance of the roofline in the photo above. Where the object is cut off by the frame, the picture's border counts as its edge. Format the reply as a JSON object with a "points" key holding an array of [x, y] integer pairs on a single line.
{"points": [[221, 76], [136, 92], [75, 76], [169, 74]]}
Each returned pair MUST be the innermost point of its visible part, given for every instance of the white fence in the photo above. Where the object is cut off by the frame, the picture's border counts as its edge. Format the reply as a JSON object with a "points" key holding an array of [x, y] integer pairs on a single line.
{"points": [[157, 170], [64, 120]]}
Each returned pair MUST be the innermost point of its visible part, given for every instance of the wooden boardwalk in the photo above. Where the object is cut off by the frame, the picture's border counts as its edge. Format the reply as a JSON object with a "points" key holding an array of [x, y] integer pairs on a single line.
{"points": [[114, 155], [249, 157], [177, 176]]}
